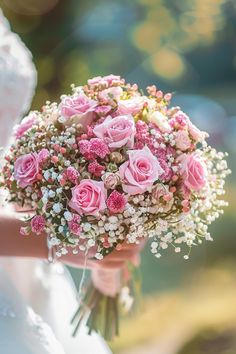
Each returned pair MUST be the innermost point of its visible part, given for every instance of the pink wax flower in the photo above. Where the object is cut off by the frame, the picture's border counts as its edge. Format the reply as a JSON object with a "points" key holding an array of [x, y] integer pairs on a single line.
{"points": [[95, 168], [103, 110], [89, 197], [167, 172], [72, 174], [25, 125], [74, 225], [131, 106], [43, 155], [80, 106], [117, 132], [140, 171], [85, 149], [92, 148], [193, 171], [38, 224], [116, 202], [182, 140], [26, 169], [99, 147]]}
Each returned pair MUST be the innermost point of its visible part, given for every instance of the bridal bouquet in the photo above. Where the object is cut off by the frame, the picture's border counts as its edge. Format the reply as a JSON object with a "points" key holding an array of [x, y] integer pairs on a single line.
{"points": [[110, 165]]}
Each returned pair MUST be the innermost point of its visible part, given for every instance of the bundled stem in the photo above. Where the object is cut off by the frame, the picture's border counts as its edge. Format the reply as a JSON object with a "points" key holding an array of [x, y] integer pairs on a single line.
{"points": [[99, 312]]}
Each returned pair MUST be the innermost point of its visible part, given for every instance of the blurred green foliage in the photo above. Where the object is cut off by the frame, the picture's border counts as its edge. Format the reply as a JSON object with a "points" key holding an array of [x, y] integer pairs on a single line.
{"points": [[183, 45]]}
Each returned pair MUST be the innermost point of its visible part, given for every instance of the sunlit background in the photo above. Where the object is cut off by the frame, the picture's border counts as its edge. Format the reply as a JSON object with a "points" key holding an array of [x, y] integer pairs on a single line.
{"points": [[187, 47]]}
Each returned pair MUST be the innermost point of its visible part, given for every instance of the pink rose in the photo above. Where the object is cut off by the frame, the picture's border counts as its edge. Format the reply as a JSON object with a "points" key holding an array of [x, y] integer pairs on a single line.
{"points": [[110, 94], [43, 155], [106, 81], [113, 79], [193, 171], [196, 133], [25, 125], [159, 190], [111, 180], [38, 224], [117, 132], [80, 106], [182, 140], [131, 106], [89, 197], [140, 171], [26, 169]]}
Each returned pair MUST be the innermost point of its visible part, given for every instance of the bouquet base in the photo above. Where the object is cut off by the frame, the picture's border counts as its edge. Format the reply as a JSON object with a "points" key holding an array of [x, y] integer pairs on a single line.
{"points": [[99, 312]]}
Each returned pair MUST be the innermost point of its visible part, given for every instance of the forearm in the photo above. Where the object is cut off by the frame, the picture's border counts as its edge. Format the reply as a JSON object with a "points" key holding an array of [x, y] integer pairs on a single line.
{"points": [[16, 245], [13, 244]]}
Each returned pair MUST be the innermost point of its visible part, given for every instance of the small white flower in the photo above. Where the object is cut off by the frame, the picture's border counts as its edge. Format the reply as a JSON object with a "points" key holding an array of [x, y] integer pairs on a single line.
{"points": [[44, 199], [57, 207], [51, 194], [99, 256], [47, 175], [68, 215], [86, 227], [91, 242], [54, 175], [67, 163], [154, 244], [61, 120], [113, 219]]}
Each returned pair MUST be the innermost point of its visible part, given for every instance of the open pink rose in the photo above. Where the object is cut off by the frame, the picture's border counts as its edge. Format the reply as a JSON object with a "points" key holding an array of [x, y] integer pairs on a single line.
{"points": [[26, 169], [131, 106], [140, 171], [117, 132], [89, 197], [25, 125], [80, 106], [182, 140], [194, 172]]}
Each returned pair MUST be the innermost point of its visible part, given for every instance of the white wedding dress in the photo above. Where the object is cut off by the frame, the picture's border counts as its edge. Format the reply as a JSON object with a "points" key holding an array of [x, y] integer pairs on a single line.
{"points": [[28, 286]]}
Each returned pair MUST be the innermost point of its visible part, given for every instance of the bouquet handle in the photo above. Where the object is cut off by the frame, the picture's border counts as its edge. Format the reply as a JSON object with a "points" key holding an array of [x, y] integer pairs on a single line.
{"points": [[99, 305]]}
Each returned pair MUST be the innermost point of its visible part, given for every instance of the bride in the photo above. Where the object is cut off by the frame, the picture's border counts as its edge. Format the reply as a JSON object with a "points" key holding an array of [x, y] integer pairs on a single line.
{"points": [[28, 284]]}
